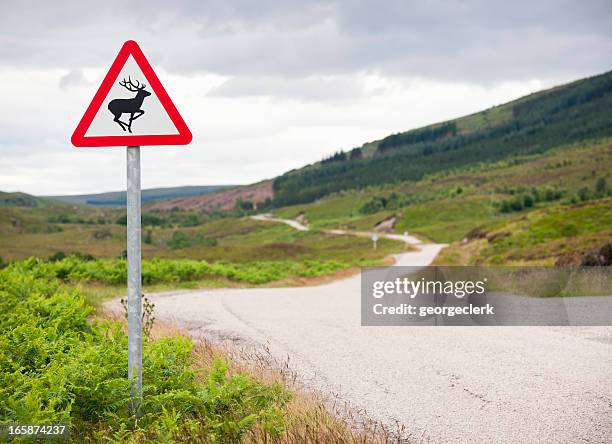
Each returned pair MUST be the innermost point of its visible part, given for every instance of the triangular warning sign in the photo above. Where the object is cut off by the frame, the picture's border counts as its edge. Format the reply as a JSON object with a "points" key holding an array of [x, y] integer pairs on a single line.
{"points": [[131, 107]]}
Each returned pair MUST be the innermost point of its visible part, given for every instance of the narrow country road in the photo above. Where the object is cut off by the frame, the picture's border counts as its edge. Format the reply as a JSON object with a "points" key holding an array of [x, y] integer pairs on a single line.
{"points": [[292, 223], [267, 217], [445, 384]]}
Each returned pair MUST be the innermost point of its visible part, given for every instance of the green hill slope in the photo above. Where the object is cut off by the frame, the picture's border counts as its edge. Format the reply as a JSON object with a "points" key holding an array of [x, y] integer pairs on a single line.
{"points": [[18, 199], [541, 209], [533, 124]]}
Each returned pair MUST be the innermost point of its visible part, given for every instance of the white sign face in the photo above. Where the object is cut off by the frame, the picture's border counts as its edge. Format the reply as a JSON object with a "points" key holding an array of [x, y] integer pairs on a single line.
{"points": [[375, 237], [150, 117]]}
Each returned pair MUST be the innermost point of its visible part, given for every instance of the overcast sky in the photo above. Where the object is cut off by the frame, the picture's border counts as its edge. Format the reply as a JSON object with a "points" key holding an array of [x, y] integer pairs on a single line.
{"points": [[270, 85]]}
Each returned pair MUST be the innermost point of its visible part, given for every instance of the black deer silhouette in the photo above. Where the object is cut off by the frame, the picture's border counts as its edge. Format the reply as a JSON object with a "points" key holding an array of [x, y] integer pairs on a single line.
{"points": [[129, 106]]}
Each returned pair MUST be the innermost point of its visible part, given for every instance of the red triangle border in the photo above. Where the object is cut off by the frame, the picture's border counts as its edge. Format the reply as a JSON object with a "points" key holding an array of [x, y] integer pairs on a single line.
{"points": [[183, 137]]}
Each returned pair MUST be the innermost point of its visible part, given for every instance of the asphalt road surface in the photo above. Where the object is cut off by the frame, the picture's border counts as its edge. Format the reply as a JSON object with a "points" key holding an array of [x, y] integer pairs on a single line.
{"points": [[445, 384]]}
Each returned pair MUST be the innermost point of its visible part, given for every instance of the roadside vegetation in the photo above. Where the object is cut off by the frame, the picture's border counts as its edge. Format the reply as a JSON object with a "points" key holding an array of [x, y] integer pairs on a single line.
{"points": [[75, 269], [60, 365], [57, 367]]}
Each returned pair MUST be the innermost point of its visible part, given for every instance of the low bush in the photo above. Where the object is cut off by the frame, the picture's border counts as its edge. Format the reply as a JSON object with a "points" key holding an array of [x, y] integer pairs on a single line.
{"points": [[527, 198], [181, 239], [391, 202]]}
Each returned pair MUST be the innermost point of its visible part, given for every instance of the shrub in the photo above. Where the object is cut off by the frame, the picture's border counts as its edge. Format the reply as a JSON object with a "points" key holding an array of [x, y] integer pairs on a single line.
{"points": [[84, 256], [148, 237], [391, 202], [528, 200], [584, 194], [601, 187], [505, 206], [59, 219], [149, 219], [551, 194], [191, 220], [243, 205], [181, 240], [373, 205], [57, 256], [516, 204]]}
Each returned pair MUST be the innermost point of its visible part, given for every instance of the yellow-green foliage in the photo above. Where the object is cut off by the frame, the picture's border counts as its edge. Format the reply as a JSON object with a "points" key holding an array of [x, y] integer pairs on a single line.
{"points": [[578, 228], [538, 237], [155, 271], [56, 366]]}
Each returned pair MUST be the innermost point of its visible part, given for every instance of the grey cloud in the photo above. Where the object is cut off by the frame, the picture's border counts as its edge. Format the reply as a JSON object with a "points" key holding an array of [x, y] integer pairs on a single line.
{"points": [[74, 77], [474, 41]]}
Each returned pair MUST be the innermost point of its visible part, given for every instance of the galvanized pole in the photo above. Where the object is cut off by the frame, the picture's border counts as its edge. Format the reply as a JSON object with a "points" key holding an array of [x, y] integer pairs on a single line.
{"points": [[134, 303]]}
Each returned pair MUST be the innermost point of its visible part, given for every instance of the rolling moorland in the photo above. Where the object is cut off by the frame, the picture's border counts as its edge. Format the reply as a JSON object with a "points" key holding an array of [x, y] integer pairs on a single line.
{"points": [[525, 182], [528, 182]]}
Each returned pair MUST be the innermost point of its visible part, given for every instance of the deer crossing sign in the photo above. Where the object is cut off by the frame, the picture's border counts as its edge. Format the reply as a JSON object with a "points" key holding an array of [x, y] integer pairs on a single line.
{"points": [[131, 107]]}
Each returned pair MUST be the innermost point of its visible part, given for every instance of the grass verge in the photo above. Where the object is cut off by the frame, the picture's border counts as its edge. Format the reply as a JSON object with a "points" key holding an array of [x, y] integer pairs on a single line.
{"points": [[308, 417]]}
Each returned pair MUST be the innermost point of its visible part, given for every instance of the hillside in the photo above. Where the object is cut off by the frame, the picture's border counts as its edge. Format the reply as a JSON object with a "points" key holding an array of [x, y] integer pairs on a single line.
{"points": [[539, 209], [18, 199], [533, 124], [118, 198], [256, 194]]}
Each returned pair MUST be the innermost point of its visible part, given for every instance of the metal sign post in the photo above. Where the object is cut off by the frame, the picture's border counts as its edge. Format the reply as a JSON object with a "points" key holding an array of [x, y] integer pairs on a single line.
{"points": [[134, 303]]}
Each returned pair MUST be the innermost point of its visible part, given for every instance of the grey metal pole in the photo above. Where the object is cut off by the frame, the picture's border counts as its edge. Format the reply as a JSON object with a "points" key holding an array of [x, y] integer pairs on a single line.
{"points": [[134, 303]]}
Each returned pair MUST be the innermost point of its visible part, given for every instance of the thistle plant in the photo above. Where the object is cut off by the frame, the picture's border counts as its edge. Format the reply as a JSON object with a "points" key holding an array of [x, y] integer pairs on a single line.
{"points": [[147, 314]]}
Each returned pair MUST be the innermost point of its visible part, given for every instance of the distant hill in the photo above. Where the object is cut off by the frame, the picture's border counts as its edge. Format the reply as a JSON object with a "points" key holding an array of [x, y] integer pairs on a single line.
{"points": [[533, 124], [225, 200], [118, 198], [17, 199]]}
